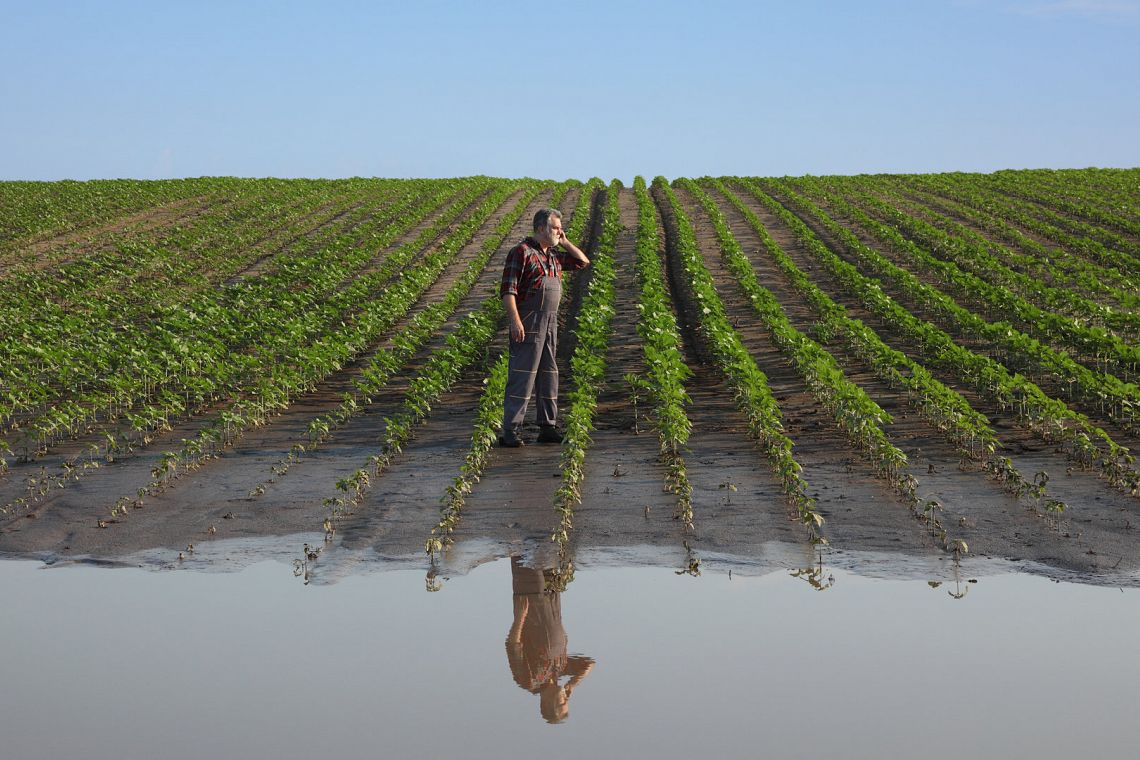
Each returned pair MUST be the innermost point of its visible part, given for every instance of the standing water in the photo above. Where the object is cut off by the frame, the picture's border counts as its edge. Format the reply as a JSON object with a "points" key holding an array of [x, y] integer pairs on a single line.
{"points": [[624, 661]]}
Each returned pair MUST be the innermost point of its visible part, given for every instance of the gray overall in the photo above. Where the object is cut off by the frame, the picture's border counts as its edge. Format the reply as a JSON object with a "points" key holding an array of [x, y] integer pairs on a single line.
{"points": [[532, 365]]}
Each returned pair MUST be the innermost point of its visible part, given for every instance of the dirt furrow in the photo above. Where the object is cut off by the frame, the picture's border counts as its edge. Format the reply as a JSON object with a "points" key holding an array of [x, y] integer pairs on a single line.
{"points": [[71, 246], [127, 476], [624, 505], [1049, 384], [403, 503], [861, 511], [341, 213], [1099, 520], [1101, 230], [511, 509]]}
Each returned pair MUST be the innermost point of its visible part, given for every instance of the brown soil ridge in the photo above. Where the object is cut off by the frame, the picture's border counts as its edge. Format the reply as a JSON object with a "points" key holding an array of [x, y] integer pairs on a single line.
{"points": [[143, 221], [623, 492], [973, 219], [187, 428], [974, 507], [738, 503], [840, 479], [1048, 383], [193, 504]]}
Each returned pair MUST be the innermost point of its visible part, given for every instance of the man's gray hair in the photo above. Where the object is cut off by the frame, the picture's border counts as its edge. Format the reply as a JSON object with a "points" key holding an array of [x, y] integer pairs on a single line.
{"points": [[542, 217]]}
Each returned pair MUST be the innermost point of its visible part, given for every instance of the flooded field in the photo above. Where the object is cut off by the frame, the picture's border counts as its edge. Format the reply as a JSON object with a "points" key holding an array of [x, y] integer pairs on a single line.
{"points": [[847, 470], [862, 656]]}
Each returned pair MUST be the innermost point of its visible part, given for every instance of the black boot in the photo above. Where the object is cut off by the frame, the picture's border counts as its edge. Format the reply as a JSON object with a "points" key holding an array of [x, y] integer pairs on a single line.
{"points": [[549, 434], [510, 439]]}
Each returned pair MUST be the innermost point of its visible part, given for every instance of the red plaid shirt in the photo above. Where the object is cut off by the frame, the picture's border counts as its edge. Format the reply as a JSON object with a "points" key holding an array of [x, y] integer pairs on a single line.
{"points": [[526, 265]]}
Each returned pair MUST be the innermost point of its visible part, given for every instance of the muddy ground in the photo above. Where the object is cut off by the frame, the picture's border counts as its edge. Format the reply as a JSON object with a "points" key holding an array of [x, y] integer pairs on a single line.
{"points": [[235, 510]]}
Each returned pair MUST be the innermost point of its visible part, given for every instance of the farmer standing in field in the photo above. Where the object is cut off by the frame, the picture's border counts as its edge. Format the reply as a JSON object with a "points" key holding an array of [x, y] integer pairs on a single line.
{"points": [[531, 290]]}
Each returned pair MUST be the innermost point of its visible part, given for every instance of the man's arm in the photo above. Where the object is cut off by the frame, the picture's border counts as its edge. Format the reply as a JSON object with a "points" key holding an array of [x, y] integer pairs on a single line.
{"points": [[574, 251], [578, 667], [522, 608], [508, 289], [514, 321]]}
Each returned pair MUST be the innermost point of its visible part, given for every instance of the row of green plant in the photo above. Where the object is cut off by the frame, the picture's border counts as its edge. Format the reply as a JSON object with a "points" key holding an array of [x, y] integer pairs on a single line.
{"points": [[666, 371], [854, 412], [588, 365], [34, 210], [1023, 254], [747, 382], [1087, 218], [98, 341], [1033, 218], [387, 361], [1118, 400], [70, 352], [489, 413], [1113, 190], [977, 256], [1083, 442], [303, 332], [390, 300], [233, 319], [104, 272], [57, 252], [927, 249], [943, 407], [464, 347]]}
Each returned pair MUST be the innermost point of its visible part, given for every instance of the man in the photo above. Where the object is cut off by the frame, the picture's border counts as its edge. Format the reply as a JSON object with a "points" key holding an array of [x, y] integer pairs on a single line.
{"points": [[531, 290], [537, 644]]}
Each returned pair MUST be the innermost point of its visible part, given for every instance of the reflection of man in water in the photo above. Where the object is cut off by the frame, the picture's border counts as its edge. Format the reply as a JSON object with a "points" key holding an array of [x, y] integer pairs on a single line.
{"points": [[536, 644]]}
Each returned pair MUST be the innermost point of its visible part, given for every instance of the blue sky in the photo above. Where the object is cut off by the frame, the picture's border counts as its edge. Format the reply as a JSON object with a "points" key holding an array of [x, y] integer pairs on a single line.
{"points": [[294, 88]]}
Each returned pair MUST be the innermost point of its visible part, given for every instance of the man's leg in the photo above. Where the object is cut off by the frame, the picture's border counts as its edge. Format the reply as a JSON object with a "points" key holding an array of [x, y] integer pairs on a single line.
{"points": [[523, 366], [546, 382]]}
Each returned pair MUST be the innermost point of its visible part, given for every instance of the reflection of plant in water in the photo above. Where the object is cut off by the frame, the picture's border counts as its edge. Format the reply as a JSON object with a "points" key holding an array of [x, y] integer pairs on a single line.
{"points": [[692, 562], [558, 578], [432, 583], [665, 367], [959, 547], [815, 575], [959, 591], [302, 568]]}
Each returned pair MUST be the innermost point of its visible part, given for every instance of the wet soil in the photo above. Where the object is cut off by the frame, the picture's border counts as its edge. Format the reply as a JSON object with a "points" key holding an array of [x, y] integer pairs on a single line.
{"points": [[626, 517], [1050, 384], [1095, 533], [854, 503]]}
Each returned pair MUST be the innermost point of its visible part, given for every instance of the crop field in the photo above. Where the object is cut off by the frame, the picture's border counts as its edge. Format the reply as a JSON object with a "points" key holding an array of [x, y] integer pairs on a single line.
{"points": [[755, 371]]}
